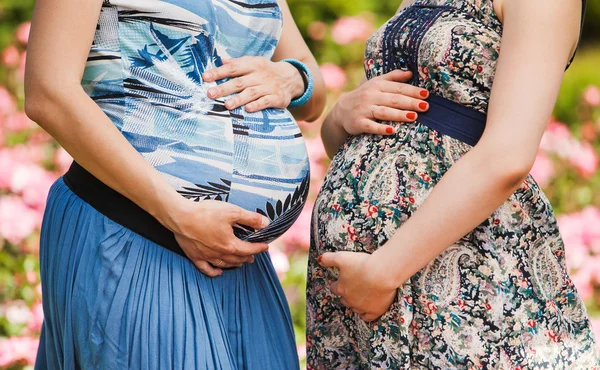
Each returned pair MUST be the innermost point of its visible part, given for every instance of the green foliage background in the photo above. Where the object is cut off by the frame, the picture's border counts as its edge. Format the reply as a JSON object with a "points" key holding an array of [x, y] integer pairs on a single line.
{"points": [[568, 192]]}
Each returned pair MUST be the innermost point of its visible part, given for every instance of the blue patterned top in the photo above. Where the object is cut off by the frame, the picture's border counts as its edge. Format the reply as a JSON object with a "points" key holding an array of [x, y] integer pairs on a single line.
{"points": [[144, 71]]}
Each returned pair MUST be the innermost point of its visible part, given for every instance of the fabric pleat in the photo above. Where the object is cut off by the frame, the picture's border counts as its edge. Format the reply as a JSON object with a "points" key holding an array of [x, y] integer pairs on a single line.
{"points": [[115, 300]]}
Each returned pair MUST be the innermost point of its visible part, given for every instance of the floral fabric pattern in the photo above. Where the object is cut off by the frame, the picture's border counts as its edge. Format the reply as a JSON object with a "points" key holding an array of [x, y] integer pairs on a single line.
{"points": [[499, 298]]}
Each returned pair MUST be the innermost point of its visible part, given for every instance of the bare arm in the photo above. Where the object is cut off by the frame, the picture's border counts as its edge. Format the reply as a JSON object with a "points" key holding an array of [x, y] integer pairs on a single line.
{"points": [[538, 39], [292, 45], [56, 58]]}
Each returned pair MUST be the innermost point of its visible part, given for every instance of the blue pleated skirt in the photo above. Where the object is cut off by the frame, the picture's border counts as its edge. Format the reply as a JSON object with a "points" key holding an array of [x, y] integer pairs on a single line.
{"points": [[115, 300]]}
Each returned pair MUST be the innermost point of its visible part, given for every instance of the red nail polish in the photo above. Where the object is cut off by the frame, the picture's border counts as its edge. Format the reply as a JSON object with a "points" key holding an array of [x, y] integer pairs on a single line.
{"points": [[423, 105], [411, 115], [424, 93], [319, 259], [389, 130]]}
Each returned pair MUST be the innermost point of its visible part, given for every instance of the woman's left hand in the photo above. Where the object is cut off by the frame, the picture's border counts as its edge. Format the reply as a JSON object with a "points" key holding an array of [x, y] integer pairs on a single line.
{"points": [[260, 83], [361, 286]]}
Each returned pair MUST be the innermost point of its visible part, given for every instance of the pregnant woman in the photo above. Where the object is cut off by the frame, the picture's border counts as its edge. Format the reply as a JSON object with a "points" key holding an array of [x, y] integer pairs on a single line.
{"points": [[431, 246], [187, 162]]}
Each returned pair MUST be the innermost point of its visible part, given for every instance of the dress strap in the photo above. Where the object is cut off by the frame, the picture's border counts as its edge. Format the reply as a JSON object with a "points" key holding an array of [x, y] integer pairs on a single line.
{"points": [[583, 6]]}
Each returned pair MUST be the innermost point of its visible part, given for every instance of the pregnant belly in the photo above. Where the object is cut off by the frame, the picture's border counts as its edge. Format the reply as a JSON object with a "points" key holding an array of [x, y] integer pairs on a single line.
{"points": [[256, 161], [375, 183]]}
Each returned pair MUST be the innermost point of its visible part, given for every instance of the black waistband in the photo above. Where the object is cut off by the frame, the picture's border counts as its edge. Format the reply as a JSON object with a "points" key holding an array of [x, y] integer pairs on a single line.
{"points": [[453, 119], [118, 208], [445, 116]]}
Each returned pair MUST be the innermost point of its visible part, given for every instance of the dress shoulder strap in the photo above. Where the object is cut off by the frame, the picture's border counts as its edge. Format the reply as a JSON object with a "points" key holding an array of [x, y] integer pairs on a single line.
{"points": [[583, 6]]}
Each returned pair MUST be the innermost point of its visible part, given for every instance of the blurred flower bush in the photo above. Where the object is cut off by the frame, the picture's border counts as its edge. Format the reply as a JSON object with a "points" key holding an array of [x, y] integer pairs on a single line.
{"points": [[566, 166]]}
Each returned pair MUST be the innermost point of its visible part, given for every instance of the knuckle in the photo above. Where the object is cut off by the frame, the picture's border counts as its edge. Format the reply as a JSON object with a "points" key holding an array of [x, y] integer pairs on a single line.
{"points": [[395, 100], [239, 83], [235, 213], [229, 248], [231, 68], [252, 92], [266, 102]]}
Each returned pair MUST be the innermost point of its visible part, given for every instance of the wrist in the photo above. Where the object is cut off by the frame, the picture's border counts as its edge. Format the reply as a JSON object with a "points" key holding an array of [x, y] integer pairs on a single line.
{"points": [[336, 116], [297, 85], [389, 270], [171, 210]]}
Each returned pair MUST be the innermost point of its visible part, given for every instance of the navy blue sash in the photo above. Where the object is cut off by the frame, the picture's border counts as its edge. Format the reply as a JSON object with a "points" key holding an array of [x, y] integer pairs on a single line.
{"points": [[453, 119]]}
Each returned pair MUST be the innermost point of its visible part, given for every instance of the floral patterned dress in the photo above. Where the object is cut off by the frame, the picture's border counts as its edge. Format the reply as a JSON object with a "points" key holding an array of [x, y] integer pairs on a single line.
{"points": [[499, 298]]}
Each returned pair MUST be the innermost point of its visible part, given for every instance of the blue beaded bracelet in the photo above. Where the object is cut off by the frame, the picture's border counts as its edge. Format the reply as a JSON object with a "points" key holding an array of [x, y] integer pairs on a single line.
{"points": [[309, 83]]}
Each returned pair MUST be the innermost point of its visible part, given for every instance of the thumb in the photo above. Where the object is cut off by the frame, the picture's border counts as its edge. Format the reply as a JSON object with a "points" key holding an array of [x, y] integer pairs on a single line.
{"points": [[335, 259]]}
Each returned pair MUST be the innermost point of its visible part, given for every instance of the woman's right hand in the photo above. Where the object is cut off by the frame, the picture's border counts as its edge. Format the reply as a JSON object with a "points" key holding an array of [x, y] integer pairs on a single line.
{"points": [[204, 230], [386, 98]]}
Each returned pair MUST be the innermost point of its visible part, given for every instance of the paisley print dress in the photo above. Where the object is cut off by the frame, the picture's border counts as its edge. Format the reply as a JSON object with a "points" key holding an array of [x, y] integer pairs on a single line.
{"points": [[499, 298]]}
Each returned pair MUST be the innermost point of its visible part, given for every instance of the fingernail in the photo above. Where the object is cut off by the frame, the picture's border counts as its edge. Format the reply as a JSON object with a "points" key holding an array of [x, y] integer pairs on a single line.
{"points": [[411, 115], [249, 107], [208, 76], [424, 93], [423, 105], [229, 104], [319, 259], [265, 221], [212, 92], [389, 130]]}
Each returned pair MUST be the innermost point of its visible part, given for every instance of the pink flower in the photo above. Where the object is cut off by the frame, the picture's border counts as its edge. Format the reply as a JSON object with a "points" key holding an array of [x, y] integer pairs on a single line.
{"points": [[62, 160], [17, 312], [14, 157], [317, 157], [7, 164], [350, 29], [590, 235], [585, 159], [10, 56], [20, 72], [22, 32], [7, 103], [299, 234], [33, 183], [37, 317], [39, 137], [280, 261], [317, 30], [595, 321], [571, 229], [556, 136], [543, 169], [18, 349], [301, 349], [591, 96], [18, 121], [17, 220], [334, 77], [583, 283]]}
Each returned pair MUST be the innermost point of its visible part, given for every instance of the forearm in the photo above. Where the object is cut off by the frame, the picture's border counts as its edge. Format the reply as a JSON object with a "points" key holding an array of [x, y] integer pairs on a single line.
{"points": [[333, 133], [458, 204], [84, 130]]}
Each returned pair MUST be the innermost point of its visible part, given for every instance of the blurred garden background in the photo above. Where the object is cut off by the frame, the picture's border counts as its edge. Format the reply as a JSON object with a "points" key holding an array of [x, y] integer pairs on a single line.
{"points": [[566, 166]]}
